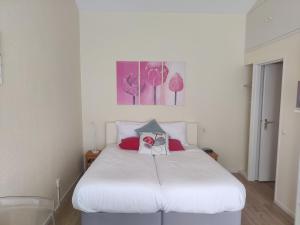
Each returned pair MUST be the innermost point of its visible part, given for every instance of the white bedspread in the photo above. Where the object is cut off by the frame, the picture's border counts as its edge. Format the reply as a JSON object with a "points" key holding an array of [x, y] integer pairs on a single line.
{"points": [[119, 181], [127, 182], [192, 182]]}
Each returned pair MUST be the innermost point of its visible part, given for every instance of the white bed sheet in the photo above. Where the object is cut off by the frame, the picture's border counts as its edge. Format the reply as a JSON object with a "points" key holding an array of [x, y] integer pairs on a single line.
{"points": [[192, 182], [119, 181]]}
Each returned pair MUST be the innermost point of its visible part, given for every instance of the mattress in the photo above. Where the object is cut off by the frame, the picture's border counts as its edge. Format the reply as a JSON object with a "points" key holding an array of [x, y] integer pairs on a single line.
{"points": [[192, 182], [119, 181]]}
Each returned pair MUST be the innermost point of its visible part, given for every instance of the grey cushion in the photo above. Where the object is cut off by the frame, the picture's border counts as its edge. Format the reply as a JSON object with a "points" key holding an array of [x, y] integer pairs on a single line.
{"points": [[151, 127]]}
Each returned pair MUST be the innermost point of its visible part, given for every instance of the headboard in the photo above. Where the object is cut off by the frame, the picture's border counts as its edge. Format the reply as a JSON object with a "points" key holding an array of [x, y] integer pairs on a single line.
{"points": [[111, 133]]}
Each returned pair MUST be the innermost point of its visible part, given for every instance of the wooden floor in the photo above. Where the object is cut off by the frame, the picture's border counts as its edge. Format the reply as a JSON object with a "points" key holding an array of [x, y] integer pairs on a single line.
{"points": [[259, 210]]}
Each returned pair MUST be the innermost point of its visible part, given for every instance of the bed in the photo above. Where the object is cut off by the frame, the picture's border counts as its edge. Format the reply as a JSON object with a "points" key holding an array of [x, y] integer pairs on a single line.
{"points": [[196, 188], [123, 187]]}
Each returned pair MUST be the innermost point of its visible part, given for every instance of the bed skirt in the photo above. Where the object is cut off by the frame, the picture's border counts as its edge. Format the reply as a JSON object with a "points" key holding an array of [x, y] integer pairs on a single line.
{"points": [[225, 218], [121, 219], [160, 218]]}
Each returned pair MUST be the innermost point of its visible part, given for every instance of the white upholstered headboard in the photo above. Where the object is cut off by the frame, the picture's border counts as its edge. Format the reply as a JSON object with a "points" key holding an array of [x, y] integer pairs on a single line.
{"points": [[111, 133]]}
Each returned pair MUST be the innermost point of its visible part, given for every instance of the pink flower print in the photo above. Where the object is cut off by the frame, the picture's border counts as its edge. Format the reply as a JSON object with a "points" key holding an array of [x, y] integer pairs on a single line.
{"points": [[156, 75], [130, 85], [176, 85], [165, 72], [148, 141]]}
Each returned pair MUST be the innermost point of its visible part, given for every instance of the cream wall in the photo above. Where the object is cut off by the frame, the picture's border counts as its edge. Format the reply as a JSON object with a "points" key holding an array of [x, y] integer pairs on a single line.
{"points": [[289, 141], [272, 19], [40, 106], [212, 47]]}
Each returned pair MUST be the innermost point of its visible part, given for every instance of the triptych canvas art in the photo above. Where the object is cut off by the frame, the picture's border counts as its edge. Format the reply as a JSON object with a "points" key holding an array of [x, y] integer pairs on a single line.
{"points": [[150, 83]]}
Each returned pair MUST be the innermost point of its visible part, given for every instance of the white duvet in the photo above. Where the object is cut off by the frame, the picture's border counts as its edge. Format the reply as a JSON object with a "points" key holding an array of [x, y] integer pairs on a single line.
{"points": [[128, 182], [192, 182], [119, 181]]}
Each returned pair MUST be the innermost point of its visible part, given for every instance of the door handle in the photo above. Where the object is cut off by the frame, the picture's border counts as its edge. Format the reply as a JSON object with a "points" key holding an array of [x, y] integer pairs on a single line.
{"points": [[267, 122]]}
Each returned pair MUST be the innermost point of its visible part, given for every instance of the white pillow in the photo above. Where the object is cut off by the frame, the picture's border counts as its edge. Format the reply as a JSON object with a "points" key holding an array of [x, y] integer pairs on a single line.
{"points": [[176, 130], [154, 143], [126, 129]]}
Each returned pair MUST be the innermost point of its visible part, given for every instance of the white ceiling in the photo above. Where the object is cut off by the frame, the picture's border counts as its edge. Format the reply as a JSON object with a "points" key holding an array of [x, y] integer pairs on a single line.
{"points": [[181, 6]]}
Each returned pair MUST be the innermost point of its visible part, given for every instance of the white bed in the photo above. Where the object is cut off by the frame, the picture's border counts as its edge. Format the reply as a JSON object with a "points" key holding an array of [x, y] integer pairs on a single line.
{"points": [[120, 186], [192, 182], [119, 181]]}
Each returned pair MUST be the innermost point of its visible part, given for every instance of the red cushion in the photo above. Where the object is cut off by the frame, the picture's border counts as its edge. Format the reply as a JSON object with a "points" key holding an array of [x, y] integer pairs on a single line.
{"points": [[175, 145], [131, 143]]}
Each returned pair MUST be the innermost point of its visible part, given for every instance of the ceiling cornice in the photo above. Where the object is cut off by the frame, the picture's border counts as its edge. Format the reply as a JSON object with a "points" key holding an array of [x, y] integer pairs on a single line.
{"points": [[171, 6]]}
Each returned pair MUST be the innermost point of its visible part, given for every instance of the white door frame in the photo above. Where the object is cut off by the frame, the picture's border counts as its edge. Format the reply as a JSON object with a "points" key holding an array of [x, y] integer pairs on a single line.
{"points": [[254, 136], [255, 119]]}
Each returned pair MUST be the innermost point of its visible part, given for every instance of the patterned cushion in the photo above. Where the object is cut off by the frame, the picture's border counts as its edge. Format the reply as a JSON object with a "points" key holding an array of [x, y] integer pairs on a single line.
{"points": [[154, 143]]}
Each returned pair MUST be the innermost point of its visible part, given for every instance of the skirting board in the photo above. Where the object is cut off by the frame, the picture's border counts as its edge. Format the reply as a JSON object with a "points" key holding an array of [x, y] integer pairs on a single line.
{"points": [[67, 192], [48, 221], [284, 208], [244, 174]]}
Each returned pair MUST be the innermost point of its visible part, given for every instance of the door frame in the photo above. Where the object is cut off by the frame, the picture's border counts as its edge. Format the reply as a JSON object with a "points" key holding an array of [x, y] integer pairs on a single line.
{"points": [[255, 119]]}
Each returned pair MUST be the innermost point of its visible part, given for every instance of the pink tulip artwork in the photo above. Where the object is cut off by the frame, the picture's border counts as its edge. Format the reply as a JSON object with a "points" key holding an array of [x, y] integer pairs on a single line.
{"points": [[150, 83], [176, 85], [130, 86], [153, 75], [127, 83]]}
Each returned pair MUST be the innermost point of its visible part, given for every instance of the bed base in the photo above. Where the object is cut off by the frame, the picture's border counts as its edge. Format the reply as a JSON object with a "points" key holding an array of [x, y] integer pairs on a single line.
{"points": [[120, 219], [225, 218], [160, 218]]}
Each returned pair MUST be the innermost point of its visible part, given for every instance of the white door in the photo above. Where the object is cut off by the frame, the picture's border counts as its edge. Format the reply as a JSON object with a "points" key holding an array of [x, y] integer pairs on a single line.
{"points": [[270, 121]]}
